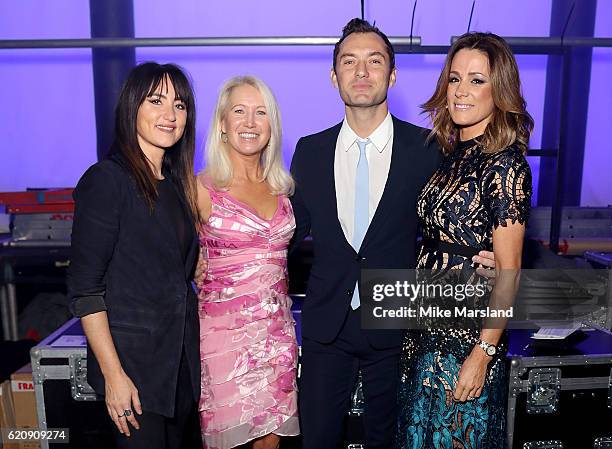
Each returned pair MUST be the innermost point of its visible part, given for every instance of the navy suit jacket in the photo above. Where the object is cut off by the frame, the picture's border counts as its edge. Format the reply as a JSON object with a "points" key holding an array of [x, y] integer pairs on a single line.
{"points": [[390, 242], [127, 261]]}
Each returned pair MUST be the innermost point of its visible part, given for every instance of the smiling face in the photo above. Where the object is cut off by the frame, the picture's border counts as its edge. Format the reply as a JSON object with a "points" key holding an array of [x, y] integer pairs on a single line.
{"points": [[363, 71], [161, 119], [245, 121], [469, 94]]}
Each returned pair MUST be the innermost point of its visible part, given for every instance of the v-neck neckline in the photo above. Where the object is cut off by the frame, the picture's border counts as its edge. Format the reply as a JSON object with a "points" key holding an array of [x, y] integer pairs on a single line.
{"points": [[252, 210]]}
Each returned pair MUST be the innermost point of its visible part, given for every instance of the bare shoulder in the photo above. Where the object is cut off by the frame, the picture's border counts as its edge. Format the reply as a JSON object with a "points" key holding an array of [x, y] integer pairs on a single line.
{"points": [[204, 201]]}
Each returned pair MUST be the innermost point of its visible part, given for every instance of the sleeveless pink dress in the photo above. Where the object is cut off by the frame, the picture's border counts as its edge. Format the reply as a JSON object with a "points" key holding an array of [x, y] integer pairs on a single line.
{"points": [[248, 347]]}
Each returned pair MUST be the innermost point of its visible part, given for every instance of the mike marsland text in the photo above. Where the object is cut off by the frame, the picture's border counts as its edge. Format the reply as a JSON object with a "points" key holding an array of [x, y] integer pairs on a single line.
{"points": [[439, 312]]}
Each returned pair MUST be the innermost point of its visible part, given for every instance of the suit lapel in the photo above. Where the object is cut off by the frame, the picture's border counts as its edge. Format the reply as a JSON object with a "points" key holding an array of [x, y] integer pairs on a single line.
{"points": [[399, 169], [328, 169]]}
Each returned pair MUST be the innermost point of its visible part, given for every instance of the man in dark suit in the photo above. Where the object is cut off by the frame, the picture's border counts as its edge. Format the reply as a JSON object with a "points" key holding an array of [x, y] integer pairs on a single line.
{"points": [[356, 189]]}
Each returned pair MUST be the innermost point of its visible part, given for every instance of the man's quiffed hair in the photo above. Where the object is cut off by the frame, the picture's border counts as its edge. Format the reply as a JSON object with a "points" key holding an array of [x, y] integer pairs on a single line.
{"points": [[357, 25]]}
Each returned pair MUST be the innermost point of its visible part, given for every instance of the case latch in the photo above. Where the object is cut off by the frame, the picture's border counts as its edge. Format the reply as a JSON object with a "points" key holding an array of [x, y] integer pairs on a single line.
{"points": [[79, 388], [603, 443], [544, 388]]}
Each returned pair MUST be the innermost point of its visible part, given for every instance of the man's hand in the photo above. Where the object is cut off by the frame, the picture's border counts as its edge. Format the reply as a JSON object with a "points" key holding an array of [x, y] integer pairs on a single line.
{"points": [[487, 260]]}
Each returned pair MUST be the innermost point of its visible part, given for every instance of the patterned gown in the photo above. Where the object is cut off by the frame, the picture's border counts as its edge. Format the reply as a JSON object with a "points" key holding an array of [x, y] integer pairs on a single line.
{"points": [[470, 194], [248, 347]]}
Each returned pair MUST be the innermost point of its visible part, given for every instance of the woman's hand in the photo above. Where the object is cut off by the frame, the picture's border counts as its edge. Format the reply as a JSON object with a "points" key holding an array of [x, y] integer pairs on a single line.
{"points": [[121, 401], [472, 376]]}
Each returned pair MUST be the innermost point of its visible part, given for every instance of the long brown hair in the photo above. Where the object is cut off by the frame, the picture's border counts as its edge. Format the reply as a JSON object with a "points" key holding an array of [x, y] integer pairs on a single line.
{"points": [[142, 82], [510, 123]]}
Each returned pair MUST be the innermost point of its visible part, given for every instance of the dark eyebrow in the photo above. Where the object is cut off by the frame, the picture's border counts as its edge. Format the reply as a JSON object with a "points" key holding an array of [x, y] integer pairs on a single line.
{"points": [[471, 73], [160, 95], [353, 55], [377, 53]]}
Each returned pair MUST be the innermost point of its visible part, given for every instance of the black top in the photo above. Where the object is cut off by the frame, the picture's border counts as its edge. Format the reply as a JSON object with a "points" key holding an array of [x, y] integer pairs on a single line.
{"points": [[169, 203], [470, 194], [463, 144]]}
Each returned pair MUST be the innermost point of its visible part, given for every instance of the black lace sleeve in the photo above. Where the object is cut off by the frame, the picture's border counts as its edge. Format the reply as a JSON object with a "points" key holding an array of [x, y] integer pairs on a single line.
{"points": [[507, 187]]}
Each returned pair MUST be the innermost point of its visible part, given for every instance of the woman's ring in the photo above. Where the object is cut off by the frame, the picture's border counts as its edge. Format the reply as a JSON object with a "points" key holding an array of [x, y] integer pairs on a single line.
{"points": [[129, 412]]}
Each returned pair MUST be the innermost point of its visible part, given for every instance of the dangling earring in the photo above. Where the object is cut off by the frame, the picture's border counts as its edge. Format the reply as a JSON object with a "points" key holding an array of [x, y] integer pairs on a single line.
{"points": [[223, 137]]}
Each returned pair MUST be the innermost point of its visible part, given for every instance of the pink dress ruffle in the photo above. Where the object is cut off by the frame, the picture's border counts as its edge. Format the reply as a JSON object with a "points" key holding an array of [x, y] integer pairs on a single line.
{"points": [[248, 347]]}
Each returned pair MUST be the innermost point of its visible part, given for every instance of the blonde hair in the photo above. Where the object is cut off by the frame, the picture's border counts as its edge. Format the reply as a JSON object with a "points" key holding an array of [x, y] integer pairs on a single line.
{"points": [[511, 123], [218, 165]]}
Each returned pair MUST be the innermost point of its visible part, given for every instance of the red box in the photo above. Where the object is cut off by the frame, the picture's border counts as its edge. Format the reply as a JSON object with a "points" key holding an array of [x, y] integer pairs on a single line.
{"points": [[61, 196]]}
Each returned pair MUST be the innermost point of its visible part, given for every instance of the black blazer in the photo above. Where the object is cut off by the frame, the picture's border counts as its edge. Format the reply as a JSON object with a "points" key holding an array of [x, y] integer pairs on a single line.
{"points": [[389, 242], [127, 261]]}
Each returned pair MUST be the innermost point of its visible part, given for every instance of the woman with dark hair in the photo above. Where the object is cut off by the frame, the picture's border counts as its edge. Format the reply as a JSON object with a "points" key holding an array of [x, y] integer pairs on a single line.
{"points": [[133, 252], [453, 382]]}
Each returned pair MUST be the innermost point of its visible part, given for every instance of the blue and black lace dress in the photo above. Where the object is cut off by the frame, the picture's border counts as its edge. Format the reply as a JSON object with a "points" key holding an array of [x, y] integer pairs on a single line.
{"points": [[470, 194]]}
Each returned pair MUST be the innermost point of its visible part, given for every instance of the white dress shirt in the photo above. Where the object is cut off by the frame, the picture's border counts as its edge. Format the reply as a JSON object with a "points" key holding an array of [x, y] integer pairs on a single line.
{"points": [[378, 153]]}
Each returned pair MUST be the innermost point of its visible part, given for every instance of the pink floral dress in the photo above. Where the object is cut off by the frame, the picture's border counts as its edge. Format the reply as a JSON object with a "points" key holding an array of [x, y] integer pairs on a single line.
{"points": [[248, 347]]}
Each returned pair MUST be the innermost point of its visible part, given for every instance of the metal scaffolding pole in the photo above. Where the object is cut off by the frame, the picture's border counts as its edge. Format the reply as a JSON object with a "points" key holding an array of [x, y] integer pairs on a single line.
{"points": [[555, 41], [187, 42], [534, 45]]}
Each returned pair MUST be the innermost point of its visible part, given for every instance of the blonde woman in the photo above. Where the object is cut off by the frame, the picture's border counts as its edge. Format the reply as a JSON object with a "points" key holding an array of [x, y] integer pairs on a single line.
{"points": [[247, 338]]}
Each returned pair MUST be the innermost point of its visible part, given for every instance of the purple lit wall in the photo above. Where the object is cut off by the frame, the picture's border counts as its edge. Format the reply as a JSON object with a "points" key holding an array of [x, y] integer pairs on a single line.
{"points": [[47, 121], [596, 179]]}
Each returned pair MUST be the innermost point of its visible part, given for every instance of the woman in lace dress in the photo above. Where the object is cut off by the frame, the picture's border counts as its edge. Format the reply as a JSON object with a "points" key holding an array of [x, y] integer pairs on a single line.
{"points": [[453, 382], [247, 337]]}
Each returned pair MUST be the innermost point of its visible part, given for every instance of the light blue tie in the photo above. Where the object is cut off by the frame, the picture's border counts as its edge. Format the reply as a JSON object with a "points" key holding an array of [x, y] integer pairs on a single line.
{"points": [[362, 212]]}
